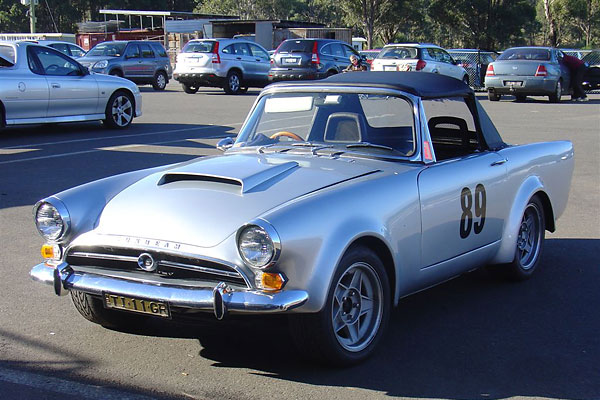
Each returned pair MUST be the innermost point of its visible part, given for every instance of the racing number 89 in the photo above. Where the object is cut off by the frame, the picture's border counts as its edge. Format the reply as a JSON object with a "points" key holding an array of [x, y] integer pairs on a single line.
{"points": [[466, 203]]}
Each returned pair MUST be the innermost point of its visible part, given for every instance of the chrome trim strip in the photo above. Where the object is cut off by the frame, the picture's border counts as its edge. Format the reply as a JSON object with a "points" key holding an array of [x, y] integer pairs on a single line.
{"points": [[198, 268], [241, 301], [101, 256]]}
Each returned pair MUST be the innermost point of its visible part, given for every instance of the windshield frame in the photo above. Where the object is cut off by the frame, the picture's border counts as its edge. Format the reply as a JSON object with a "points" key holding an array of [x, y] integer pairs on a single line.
{"points": [[356, 152]]}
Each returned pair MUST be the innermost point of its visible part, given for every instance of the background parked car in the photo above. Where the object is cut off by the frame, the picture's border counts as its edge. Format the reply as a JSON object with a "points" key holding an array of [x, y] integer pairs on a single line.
{"points": [[297, 59], [141, 61], [475, 62], [233, 64], [369, 55], [69, 49], [39, 84], [528, 71], [418, 57], [591, 80]]}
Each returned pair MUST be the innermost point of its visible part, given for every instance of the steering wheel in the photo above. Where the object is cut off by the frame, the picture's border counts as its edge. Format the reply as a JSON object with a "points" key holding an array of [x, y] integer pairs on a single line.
{"points": [[291, 135], [52, 67]]}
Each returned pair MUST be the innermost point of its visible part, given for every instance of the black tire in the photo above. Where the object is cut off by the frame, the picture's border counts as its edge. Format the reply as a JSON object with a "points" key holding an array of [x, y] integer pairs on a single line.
{"points": [[116, 72], [190, 89], [530, 242], [120, 110], [493, 96], [315, 335], [521, 98], [556, 96], [465, 79], [331, 72], [92, 309], [243, 90], [160, 81], [233, 83]]}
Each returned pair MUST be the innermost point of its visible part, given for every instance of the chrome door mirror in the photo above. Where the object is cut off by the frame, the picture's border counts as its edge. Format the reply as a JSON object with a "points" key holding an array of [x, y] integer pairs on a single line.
{"points": [[225, 143]]}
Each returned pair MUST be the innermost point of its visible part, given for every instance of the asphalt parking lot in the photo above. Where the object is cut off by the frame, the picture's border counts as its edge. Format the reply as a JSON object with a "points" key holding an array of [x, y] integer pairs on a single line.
{"points": [[473, 337]]}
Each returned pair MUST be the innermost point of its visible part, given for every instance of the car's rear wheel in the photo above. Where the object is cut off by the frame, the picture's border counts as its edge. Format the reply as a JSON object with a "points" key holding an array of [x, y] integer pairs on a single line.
{"points": [[493, 96], [160, 81], [233, 83], [555, 97], [189, 89], [119, 110], [521, 98], [530, 242], [352, 322], [243, 90], [92, 309]]}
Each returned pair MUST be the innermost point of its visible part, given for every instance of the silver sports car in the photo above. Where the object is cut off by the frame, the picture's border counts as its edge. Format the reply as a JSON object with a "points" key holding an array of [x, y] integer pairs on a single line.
{"points": [[528, 71], [39, 84], [337, 199]]}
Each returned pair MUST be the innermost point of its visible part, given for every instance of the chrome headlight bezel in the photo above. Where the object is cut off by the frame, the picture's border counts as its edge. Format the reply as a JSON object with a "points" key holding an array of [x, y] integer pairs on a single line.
{"points": [[101, 64], [269, 233], [62, 212]]}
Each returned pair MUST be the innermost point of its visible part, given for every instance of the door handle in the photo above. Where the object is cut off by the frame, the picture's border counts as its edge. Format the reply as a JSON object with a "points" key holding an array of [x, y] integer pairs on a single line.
{"points": [[499, 162], [56, 85], [238, 58]]}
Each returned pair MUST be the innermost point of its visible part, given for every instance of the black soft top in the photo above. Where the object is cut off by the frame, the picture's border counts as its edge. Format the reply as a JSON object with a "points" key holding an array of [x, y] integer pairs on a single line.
{"points": [[423, 84]]}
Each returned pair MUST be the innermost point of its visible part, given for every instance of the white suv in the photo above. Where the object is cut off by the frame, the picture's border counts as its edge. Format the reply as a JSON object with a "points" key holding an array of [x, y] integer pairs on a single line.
{"points": [[232, 64], [418, 57]]}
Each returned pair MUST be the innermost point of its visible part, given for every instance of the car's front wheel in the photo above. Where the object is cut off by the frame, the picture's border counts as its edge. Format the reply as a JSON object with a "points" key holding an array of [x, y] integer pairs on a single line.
{"points": [[233, 83], [189, 89], [555, 97], [92, 309], [119, 110], [493, 96], [465, 79], [352, 322], [160, 81], [530, 241]]}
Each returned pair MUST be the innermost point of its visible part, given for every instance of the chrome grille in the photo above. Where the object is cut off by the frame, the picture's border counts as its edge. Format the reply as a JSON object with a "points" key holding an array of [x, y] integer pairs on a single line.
{"points": [[169, 266]]}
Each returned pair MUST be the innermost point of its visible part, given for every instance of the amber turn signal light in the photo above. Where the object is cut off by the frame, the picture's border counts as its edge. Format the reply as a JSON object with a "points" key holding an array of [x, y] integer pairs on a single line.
{"points": [[50, 251], [272, 281]]}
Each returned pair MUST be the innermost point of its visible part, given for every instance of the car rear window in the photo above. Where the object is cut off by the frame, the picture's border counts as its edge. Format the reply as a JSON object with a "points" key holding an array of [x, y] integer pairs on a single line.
{"points": [[7, 53], [199, 47], [593, 58], [525, 54], [296, 46], [398, 53]]}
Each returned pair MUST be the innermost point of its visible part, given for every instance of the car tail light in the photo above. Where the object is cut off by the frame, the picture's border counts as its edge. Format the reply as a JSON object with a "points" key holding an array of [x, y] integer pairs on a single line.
{"points": [[490, 71], [315, 55], [421, 64], [541, 71], [216, 58]]}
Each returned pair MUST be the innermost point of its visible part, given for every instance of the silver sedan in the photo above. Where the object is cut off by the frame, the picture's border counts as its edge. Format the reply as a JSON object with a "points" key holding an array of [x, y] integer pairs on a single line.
{"points": [[39, 85], [528, 71]]}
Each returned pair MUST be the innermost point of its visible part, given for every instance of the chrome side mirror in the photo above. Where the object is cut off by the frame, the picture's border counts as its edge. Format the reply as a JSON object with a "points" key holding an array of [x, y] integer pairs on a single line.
{"points": [[225, 143]]}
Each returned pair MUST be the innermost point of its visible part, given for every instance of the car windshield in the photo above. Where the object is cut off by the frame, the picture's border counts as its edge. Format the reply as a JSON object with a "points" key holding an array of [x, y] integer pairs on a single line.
{"points": [[199, 47], [107, 49], [592, 58], [296, 46], [372, 125], [525, 54], [398, 53]]}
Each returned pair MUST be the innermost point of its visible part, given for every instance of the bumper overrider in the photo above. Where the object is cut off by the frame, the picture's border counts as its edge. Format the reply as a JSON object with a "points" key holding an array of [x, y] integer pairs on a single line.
{"points": [[220, 299]]}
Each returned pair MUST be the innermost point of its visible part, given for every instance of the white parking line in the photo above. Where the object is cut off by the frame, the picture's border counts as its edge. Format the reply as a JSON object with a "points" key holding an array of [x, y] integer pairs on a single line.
{"points": [[121, 136], [66, 387]]}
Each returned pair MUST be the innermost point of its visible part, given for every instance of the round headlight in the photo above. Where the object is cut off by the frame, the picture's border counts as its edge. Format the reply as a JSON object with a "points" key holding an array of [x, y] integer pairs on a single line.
{"points": [[256, 246], [101, 64], [49, 222]]}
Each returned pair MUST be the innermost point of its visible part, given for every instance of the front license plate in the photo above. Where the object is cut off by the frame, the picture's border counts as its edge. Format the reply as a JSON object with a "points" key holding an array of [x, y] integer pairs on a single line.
{"points": [[513, 83], [142, 306]]}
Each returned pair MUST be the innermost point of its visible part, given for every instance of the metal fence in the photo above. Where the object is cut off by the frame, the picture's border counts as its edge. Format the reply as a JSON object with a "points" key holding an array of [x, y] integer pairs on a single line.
{"points": [[475, 62]]}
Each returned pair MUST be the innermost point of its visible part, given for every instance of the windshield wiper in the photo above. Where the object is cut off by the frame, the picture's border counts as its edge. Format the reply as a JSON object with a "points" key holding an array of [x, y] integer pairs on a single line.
{"points": [[371, 145]]}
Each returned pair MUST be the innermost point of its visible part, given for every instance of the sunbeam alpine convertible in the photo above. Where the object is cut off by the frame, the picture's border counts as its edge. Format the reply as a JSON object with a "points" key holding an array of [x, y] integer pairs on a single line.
{"points": [[337, 198]]}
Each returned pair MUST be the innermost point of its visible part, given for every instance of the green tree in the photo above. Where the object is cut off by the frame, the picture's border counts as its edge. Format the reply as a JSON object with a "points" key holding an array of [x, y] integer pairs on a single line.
{"points": [[13, 17]]}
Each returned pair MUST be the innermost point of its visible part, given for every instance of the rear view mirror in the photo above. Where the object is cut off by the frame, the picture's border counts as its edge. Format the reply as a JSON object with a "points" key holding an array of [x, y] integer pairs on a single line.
{"points": [[225, 143]]}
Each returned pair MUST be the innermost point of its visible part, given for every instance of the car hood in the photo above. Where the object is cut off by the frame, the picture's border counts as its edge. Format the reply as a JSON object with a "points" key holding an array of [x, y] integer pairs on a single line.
{"points": [[94, 59], [205, 201]]}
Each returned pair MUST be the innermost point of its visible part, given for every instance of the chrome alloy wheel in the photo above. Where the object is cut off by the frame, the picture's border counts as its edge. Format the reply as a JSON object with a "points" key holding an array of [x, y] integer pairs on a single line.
{"points": [[161, 81], [357, 307], [122, 110], [530, 236], [234, 82]]}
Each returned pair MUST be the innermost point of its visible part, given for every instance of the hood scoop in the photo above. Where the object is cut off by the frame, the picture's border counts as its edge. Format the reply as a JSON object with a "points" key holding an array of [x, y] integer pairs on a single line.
{"points": [[247, 181]]}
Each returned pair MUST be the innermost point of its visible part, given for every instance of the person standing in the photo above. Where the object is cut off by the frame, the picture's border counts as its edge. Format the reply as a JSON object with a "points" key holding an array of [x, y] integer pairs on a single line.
{"points": [[577, 69], [355, 65]]}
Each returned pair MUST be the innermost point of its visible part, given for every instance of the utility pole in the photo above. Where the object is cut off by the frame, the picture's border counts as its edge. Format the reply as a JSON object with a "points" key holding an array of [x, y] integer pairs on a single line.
{"points": [[31, 4]]}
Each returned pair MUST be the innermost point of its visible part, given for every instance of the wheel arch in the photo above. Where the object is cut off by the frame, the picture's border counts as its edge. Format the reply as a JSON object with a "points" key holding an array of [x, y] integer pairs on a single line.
{"points": [[238, 70], [126, 90], [531, 187], [116, 69]]}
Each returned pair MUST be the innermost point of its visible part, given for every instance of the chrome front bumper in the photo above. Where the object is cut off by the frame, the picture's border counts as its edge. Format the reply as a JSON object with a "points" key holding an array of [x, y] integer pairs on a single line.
{"points": [[220, 299]]}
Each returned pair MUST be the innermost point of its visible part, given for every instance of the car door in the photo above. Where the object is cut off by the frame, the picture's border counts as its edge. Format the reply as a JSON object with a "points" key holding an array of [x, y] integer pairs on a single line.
{"points": [[339, 56], [449, 66], [71, 92], [246, 60], [26, 94], [349, 52], [149, 63], [132, 61], [261, 62], [564, 70], [462, 195]]}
